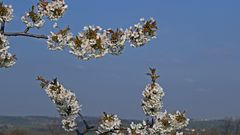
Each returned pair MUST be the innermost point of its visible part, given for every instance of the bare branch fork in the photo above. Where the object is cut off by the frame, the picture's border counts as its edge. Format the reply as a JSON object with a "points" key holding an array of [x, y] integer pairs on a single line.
{"points": [[24, 34]]}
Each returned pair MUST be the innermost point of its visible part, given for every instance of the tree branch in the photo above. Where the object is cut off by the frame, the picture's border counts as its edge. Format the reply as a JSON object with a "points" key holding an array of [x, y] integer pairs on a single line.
{"points": [[85, 122], [25, 35], [78, 132], [2, 27]]}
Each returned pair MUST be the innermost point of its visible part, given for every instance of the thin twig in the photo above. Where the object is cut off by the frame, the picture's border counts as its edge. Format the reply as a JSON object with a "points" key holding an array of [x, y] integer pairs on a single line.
{"points": [[40, 78], [25, 35], [43, 81], [27, 29], [152, 123]]}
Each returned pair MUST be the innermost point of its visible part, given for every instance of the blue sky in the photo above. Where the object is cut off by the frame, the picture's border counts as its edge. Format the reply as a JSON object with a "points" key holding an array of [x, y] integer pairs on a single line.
{"points": [[196, 54]]}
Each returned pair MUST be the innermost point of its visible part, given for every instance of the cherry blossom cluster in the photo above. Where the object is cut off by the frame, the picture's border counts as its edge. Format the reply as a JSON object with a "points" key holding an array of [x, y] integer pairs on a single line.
{"points": [[59, 40], [91, 43], [166, 123], [163, 124], [139, 129], [6, 13], [52, 10], [152, 96], [65, 101], [179, 120], [94, 42], [6, 58], [160, 123], [109, 124], [152, 99], [115, 41], [33, 19], [142, 32]]}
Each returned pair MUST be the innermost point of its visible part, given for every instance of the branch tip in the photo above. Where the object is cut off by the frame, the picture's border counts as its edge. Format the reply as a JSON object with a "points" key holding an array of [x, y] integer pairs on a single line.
{"points": [[40, 78], [153, 74]]}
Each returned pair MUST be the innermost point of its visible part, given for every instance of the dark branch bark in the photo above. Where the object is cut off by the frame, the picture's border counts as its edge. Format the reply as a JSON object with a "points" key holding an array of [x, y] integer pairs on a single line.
{"points": [[27, 29], [2, 27], [87, 127], [78, 132], [25, 35], [85, 122]]}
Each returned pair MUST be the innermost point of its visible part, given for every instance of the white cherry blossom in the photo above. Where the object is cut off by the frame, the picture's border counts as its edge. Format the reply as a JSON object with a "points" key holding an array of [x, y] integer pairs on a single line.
{"points": [[32, 19], [6, 59], [53, 10], [6, 13], [66, 102], [59, 40], [109, 123]]}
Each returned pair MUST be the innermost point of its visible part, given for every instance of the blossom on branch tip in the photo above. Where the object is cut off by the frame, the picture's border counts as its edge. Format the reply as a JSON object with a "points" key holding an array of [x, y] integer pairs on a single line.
{"points": [[6, 13], [32, 19], [141, 33], [162, 123], [53, 10], [65, 101]]}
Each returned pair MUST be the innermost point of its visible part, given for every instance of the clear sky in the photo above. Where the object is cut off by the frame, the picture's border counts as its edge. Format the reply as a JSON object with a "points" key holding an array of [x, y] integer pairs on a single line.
{"points": [[196, 54]]}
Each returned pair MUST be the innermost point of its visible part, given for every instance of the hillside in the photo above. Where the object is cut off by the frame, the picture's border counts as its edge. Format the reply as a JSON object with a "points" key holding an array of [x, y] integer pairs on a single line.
{"points": [[40, 125]]}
